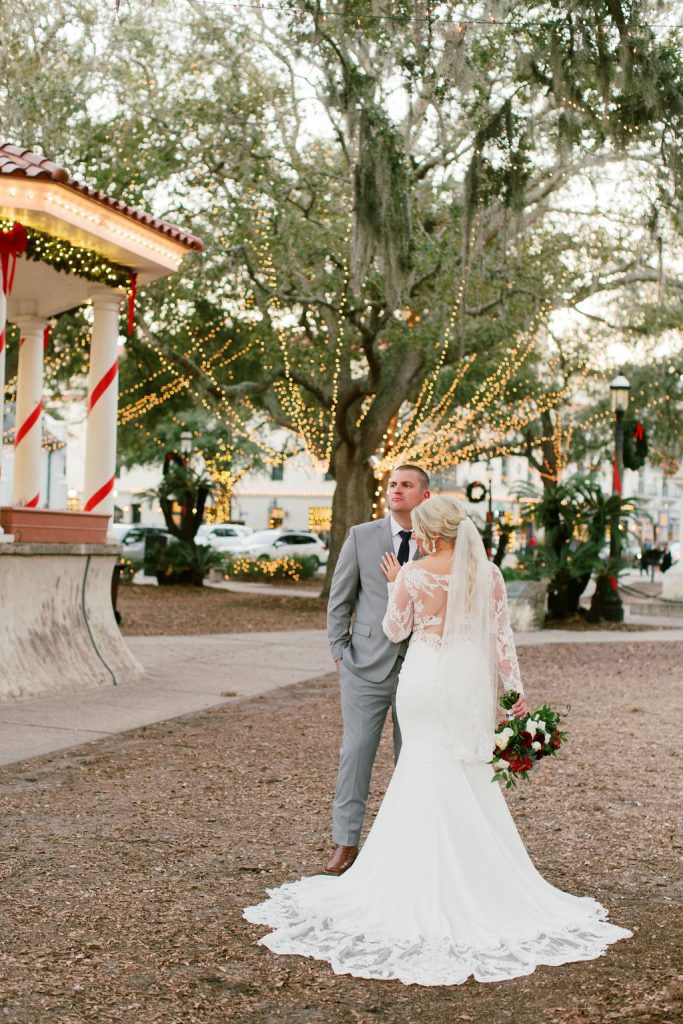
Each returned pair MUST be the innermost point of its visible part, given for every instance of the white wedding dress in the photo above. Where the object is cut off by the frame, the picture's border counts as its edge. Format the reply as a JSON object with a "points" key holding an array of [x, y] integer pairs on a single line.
{"points": [[443, 888]]}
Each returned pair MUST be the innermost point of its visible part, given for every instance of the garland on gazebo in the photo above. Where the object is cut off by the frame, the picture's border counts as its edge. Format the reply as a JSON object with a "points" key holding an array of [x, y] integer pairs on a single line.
{"points": [[73, 259]]}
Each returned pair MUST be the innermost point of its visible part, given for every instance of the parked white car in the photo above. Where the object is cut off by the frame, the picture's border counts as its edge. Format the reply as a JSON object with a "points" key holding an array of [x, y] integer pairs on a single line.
{"points": [[223, 536], [267, 544]]}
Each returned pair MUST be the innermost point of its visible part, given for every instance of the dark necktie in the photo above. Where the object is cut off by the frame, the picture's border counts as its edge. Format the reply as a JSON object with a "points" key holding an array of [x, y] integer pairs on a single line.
{"points": [[404, 547]]}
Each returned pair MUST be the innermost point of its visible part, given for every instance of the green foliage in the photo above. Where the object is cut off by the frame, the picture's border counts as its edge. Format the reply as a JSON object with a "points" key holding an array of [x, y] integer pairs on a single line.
{"points": [[129, 567], [73, 259], [575, 517], [181, 562], [383, 225], [635, 444], [531, 567], [452, 152], [182, 495]]}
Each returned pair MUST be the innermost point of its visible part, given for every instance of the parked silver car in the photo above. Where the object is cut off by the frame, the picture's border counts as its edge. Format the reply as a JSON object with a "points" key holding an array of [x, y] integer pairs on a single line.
{"points": [[131, 537]]}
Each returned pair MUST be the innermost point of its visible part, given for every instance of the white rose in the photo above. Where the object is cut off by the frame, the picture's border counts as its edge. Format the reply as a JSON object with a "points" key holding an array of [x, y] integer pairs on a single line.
{"points": [[531, 726], [504, 737], [536, 745]]}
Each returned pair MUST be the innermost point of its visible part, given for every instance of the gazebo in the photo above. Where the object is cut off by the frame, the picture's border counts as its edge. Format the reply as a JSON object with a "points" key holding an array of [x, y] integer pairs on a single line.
{"points": [[63, 244]]}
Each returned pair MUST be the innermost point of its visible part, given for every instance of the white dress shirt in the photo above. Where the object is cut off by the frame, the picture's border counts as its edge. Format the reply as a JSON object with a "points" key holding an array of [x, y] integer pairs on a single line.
{"points": [[395, 532]]}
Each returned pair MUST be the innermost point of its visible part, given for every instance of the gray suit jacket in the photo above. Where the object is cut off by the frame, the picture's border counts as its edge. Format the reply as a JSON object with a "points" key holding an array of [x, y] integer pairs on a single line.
{"points": [[360, 586]]}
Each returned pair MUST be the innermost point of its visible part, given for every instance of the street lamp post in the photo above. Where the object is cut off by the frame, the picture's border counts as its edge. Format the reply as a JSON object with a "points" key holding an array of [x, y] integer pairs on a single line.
{"points": [[613, 608], [186, 442]]}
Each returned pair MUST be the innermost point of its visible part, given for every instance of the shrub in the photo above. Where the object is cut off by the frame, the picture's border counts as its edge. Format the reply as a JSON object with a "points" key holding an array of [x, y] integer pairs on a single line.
{"points": [[532, 566], [181, 562], [129, 566], [272, 570]]}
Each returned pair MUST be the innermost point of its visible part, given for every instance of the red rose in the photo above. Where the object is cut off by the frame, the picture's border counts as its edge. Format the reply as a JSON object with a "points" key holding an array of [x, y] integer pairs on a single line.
{"points": [[556, 742], [527, 738]]}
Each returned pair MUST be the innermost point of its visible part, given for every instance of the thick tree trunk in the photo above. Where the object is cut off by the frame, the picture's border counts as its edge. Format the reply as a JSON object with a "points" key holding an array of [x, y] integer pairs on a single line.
{"points": [[352, 504]]}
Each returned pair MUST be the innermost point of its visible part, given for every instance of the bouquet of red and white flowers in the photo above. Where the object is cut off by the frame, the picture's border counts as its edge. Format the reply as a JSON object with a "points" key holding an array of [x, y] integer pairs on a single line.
{"points": [[522, 742]]}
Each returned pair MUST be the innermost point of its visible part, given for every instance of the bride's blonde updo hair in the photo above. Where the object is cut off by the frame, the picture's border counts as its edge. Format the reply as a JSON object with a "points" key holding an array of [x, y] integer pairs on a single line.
{"points": [[439, 516]]}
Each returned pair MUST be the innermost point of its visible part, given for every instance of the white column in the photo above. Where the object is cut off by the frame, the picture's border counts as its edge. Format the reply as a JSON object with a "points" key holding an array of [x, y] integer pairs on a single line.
{"points": [[672, 583], [28, 426], [103, 379]]}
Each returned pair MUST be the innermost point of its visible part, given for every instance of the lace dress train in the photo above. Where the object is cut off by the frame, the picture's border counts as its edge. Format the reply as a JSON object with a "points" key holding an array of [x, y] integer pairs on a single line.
{"points": [[443, 888]]}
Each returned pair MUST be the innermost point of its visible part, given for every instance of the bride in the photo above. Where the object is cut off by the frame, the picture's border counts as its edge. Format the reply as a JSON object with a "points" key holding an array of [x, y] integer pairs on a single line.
{"points": [[443, 888]]}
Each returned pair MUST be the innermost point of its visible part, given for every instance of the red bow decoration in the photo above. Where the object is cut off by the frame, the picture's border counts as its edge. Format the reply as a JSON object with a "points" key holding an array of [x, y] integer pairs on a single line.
{"points": [[131, 302], [616, 479], [639, 433], [613, 582], [12, 244]]}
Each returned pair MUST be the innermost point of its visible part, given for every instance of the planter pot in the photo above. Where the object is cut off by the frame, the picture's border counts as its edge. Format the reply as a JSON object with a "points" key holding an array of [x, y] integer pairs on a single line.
{"points": [[527, 602], [50, 526], [171, 579]]}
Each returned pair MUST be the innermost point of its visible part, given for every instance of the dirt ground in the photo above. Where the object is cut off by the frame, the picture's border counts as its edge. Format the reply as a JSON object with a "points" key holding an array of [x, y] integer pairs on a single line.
{"points": [[189, 611], [184, 611], [125, 864]]}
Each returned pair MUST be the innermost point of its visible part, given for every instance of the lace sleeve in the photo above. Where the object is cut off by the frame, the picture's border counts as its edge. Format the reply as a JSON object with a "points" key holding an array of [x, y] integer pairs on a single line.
{"points": [[508, 668], [398, 620]]}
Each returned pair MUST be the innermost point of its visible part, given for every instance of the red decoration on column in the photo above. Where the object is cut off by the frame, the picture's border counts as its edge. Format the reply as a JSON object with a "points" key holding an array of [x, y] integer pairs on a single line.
{"points": [[12, 244], [28, 423], [615, 477], [100, 495], [2, 339], [46, 336], [102, 385], [131, 302], [613, 582], [639, 432]]}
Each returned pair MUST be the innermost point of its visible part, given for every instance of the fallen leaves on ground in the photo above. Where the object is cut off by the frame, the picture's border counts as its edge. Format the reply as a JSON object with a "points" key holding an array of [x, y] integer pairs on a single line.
{"points": [[126, 863], [190, 611]]}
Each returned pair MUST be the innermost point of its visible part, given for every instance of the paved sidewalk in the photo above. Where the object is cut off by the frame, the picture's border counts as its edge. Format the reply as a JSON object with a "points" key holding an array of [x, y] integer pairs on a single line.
{"points": [[184, 675], [189, 674]]}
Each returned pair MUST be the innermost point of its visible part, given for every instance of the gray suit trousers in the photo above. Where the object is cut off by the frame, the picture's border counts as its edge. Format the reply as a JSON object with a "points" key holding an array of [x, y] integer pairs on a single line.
{"points": [[364, 709]]}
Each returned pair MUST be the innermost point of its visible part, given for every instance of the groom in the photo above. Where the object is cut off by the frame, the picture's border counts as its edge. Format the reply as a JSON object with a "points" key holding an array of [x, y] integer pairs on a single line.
{"points": [[367, 662]]}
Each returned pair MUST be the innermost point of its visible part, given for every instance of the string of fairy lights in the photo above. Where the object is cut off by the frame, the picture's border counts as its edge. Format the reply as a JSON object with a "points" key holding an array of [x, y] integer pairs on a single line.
{"points": [[73, 259], [434, 430]]}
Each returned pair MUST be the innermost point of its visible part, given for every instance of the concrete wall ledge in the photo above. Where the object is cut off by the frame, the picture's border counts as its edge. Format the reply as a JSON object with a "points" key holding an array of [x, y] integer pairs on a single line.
{"points": [[41, 548], [57, 627], [527, 604]]}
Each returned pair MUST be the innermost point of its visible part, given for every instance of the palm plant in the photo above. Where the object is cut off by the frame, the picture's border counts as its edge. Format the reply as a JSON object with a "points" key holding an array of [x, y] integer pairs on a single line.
{"points": [[182, 562], [182, 496], [575, 515]]}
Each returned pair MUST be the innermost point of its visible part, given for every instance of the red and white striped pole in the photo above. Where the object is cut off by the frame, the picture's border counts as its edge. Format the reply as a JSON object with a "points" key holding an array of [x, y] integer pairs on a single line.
{"points": [[103, 393], [3, 354], [28, 426]]}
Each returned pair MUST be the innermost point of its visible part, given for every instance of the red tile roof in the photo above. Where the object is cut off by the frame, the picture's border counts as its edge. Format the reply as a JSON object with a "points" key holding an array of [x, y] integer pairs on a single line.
{"points": [[22, 163]]}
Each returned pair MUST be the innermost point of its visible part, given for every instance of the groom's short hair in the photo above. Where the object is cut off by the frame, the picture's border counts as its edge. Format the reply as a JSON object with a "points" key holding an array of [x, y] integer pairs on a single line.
{"points": [[424, 479]]}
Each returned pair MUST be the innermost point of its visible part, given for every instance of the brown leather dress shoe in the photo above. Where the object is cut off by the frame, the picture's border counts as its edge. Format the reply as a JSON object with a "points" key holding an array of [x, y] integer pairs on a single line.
{"points": [[341, 860]]}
